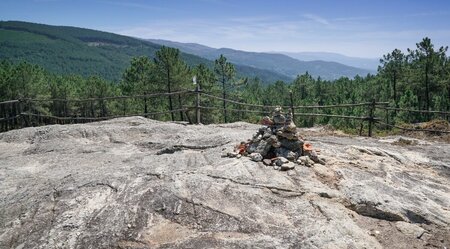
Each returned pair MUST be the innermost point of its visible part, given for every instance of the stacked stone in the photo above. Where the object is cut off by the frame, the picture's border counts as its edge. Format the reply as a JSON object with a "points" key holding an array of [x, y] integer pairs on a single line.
{"points": [[278, 143]]}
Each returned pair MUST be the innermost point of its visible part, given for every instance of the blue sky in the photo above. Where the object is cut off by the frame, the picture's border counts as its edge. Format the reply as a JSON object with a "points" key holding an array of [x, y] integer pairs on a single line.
{"points": [[363, 28]]}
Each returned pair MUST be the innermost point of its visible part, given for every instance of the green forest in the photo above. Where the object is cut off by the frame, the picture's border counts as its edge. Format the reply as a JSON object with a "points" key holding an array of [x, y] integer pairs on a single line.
{"points": [[418, 78]]}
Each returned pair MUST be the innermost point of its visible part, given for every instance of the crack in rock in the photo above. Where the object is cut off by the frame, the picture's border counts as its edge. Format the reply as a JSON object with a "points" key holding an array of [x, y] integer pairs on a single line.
{"points": [[273, 189], [370, 209], [318, 208], [179, 147], [94, 184], [211, 209]]}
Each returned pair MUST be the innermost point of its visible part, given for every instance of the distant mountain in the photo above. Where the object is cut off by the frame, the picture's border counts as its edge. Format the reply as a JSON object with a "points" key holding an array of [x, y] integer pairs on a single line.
{"points": [[71, 50], [366, 63], [279, 63]]}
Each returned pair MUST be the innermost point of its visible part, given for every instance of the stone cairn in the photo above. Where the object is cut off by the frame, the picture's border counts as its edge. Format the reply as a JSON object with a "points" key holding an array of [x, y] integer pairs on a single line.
{"points": [[278, 144]]}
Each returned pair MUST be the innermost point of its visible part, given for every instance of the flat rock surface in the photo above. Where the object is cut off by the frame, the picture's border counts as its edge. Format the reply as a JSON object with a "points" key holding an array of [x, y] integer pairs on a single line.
{"points": [[139, 183]]}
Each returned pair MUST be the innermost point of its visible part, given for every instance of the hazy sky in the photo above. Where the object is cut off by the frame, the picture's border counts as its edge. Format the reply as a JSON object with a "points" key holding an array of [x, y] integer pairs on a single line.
{"points": [[364, 28]]}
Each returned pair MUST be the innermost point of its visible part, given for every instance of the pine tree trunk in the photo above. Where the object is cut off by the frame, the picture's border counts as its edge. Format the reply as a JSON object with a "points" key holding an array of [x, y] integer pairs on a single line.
{"points": [[224, 102], [170, 96], [395, 89], [427, 91]]}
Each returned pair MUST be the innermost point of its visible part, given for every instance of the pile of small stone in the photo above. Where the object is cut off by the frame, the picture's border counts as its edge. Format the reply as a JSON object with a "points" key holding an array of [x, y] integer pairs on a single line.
{"points": [[278, 144]]}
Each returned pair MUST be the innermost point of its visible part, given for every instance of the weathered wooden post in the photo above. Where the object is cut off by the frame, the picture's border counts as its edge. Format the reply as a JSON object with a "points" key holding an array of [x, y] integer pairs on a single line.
{"points": [[197, 105], [2, 117], [292, 105], [371, 118], [124, 107], [224, 108], [21, 117], [91, 102], [12, 115], [66, 112], [387, 118], [15, 114]]}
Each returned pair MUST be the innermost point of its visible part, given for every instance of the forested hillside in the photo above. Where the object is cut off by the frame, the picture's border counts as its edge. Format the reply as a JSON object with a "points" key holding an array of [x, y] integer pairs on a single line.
{"points": [[71, 50], [418, 78]]}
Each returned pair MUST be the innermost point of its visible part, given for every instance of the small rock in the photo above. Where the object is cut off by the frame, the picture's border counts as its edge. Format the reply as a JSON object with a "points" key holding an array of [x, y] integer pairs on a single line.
{"points": [[305, 160], [267, 162], [409, 229], [291, 156], [276, 167], [313, 156], [302, 159], [291, 172], [281, 160], [232, 154], [288, 166], [256, 157]]}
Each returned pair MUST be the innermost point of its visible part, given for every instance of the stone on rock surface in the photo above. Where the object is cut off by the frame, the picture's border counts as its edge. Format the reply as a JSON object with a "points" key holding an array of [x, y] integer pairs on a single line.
{"points": [[287, 166], [267, 162], [281, 160], [256, 157], [262, 147], [288, 135], [305, 160], [279, 119], [291, 127], [283, 152], [314, 157], [232, 154], [412, 230], [293, 145]]}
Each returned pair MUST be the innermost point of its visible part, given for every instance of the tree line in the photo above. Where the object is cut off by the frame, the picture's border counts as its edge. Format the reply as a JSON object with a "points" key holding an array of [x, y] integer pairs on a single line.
{"points": [[418, 78]]}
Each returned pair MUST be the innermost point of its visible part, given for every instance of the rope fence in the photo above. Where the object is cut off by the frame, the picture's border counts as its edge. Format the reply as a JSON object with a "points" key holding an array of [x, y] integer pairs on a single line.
{"points": [[102, 118], [40, 111], [412, 129], [106, 98], [414, 111]]}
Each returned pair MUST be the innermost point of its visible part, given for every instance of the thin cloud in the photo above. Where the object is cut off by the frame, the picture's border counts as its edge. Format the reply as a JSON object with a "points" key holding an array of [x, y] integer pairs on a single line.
{"points": [[317, 19], [260, 33], [48, 1], [129, 4]]}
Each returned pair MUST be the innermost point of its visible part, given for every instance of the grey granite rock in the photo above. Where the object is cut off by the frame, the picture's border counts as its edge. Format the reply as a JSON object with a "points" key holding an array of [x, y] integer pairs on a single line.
{"points": [[139, 183]]}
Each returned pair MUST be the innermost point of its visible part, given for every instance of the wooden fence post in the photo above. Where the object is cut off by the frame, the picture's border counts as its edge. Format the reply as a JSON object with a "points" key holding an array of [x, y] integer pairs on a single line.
{"points": [[371, 119], [224, 107], [27, 109], [11, 114], [292, 105], [2, 116], [124, 110], [16, 113], [197, 105], [387, 119], [21, 117]]}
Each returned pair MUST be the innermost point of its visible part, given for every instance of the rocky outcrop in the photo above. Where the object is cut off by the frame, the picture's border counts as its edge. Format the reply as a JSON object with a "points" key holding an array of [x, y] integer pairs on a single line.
{"points": [[139, 183]]}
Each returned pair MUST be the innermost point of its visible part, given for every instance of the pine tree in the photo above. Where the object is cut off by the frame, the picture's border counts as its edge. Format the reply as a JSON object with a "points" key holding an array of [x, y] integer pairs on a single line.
{"points": [[225, 72], [139, 79], [392, 67], [173, 71]]}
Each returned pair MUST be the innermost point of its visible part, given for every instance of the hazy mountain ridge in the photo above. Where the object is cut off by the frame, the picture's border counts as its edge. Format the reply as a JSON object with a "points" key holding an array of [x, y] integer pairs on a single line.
{"points": [[359, 62], [276, 62]]}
